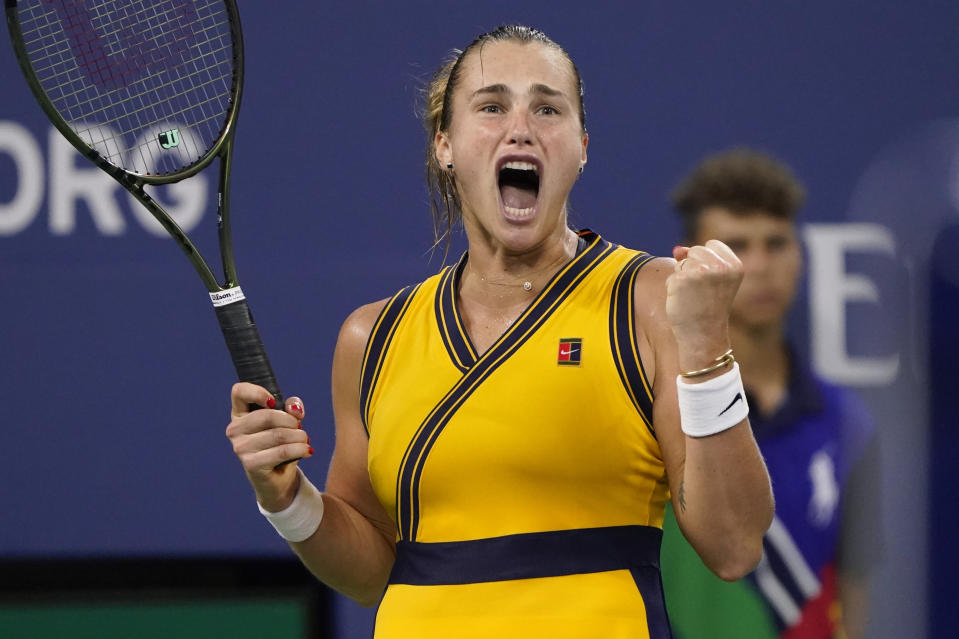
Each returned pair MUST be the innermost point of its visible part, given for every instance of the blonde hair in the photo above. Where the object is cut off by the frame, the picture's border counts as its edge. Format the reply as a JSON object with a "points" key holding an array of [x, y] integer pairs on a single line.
{"points": [[444, 200], [437, 113]]}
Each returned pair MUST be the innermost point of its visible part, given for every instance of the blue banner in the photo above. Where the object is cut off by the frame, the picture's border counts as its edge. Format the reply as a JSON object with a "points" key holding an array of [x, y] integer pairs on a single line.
{"points": [[116, 378]]}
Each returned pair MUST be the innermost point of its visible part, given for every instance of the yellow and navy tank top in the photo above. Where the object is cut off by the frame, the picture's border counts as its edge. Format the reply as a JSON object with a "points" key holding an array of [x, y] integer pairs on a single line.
{"points": [[526, 482]]}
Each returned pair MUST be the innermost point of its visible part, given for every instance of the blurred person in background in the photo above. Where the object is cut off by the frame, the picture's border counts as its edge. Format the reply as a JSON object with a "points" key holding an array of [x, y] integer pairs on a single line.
{"points": [[817, 439]]}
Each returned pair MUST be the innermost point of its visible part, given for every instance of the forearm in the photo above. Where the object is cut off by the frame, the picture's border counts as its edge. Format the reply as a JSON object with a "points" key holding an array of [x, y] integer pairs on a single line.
{"points": [[720, 488], [725, 501], [348, 552]]}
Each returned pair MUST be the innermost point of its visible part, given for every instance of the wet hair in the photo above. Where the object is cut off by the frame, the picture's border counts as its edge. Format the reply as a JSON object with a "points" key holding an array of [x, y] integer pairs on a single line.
{"points": [[743, 181], [437, 114]]}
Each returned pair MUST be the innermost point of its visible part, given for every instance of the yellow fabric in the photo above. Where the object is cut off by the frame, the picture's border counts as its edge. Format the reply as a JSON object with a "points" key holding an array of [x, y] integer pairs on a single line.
{"points": [[533, 446], [603, 605]]}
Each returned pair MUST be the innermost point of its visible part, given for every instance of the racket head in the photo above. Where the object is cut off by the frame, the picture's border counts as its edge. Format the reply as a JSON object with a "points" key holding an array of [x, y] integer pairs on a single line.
{"points": [[149, 90]]}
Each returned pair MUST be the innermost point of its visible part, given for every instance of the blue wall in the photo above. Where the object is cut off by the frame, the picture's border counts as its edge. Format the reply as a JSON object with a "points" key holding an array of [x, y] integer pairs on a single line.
{"points": [[115, 376]]}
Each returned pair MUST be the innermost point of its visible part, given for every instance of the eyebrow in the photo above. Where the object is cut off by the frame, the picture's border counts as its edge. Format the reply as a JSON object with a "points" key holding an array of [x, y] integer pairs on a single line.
{"points": [[502, 89], [545, 90]]}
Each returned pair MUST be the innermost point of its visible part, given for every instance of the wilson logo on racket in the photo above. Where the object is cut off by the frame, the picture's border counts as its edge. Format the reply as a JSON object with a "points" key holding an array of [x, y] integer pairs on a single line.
{"points": [[570, 351], [169, 139]]}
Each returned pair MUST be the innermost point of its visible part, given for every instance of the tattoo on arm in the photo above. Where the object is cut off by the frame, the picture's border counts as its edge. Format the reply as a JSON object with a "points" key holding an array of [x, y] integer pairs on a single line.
{"points": [[682, 494]]}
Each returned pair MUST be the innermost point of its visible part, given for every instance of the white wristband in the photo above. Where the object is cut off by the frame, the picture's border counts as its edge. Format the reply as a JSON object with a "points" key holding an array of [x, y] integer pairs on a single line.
{"points": [[712, 406], [302, 517]]}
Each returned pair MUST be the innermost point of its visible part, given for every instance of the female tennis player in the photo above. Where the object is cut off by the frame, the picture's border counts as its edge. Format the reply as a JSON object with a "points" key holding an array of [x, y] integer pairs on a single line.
{"points": [[509, 430]]}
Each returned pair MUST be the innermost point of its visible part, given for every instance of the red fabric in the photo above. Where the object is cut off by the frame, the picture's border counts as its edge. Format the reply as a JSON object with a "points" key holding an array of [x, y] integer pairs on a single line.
{"points": [[820, 616]]}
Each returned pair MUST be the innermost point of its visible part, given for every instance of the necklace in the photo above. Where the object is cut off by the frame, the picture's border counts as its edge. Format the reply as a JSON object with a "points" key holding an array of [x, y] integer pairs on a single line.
{"points": [[526, 285]]}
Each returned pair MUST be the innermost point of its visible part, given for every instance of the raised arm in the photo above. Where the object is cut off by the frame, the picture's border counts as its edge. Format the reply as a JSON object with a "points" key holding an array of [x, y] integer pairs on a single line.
{"points": [[353, 548], [718, 482]]}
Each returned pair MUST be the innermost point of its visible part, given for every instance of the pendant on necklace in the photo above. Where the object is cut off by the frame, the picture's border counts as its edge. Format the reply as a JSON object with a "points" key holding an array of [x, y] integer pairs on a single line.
{"points": [[527, 286]]}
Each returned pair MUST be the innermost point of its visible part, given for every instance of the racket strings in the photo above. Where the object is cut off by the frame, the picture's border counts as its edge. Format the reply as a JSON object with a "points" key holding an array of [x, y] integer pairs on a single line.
{"points": [[66, 72], [131, 97], [148, 85]]}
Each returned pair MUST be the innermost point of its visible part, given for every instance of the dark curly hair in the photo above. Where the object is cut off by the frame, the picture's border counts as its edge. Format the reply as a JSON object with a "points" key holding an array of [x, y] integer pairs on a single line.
{"points": [[740, 180]]}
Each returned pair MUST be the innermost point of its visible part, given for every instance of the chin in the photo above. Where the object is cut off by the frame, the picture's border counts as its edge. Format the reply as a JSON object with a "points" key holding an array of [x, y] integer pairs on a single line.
{"points": [[520, 239]]}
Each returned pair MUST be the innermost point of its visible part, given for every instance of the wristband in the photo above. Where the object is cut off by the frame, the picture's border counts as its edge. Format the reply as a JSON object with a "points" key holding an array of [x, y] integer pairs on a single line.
{"points": [[712, 406], [302, 517]]}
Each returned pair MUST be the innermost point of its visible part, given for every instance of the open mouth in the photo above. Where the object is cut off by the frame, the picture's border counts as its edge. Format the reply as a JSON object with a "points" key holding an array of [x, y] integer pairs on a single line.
{"points": [[519, 187]]}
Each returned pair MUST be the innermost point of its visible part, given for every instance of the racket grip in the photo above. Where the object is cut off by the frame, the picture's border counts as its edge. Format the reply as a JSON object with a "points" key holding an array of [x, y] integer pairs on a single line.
{"points": [[246, 348]]}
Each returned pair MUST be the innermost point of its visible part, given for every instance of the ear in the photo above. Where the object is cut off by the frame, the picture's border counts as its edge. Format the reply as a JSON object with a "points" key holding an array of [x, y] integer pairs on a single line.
{"points": [[585, 144], [442, 148]]}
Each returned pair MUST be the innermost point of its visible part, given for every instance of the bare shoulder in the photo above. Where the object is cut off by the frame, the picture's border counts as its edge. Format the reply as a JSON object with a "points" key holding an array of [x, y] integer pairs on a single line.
{"points": [[359, 324], [650, 288], [653, 332], [348, 478], [657, 269]]}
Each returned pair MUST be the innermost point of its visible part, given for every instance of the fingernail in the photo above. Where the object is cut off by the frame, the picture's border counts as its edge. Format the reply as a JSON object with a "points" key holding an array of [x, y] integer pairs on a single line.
{"points": [[296, 406], [299, 425], [271, 403], [311, 450]]}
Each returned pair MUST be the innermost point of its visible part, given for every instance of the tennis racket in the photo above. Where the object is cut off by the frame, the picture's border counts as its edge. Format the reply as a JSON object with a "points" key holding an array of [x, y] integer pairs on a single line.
{"points": [[149, 91]]}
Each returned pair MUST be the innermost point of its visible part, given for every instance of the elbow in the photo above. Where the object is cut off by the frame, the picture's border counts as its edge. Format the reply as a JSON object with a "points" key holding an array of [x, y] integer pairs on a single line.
{"points": [[367, 596], [368, 592], [740, 556], [738, 563], [732, 547], [733, 560], [368, 600]]}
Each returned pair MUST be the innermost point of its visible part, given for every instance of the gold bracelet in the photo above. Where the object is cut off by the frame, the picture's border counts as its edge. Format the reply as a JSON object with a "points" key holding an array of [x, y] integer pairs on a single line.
{"points": [[719, 362]]}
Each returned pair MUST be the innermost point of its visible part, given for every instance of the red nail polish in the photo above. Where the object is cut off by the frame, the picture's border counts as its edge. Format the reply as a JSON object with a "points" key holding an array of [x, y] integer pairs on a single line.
{"points": [[311, 450], [299, 425], [271, 403], [296, 406]]}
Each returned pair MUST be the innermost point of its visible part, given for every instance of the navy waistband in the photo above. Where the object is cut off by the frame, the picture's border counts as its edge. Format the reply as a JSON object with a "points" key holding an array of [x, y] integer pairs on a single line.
{"points": [[543, 554]]}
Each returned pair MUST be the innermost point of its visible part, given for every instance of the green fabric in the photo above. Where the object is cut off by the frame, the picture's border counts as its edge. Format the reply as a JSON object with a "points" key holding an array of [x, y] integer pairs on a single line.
{"points": [[206, 618], [700, 604]]}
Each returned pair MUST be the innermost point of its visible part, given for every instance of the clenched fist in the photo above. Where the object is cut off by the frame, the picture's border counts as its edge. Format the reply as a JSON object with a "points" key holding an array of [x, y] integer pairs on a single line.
{"points": [[699, 296]]}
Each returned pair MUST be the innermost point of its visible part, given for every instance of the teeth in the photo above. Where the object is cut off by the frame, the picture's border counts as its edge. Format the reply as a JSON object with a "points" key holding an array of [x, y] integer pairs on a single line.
{"points": [[518, 212], [521, 166]]}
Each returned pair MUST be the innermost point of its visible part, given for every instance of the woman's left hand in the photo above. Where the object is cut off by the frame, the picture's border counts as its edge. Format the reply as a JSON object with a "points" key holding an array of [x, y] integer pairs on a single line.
{"points": [[699, 296]]}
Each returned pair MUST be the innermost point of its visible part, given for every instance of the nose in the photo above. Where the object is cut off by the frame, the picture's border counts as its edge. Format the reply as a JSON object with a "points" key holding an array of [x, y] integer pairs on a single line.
{"points": [[520, 132], [756, 262]]}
